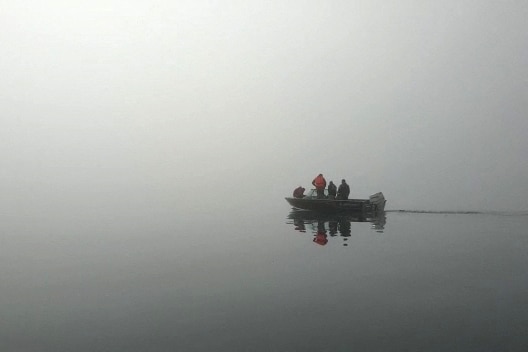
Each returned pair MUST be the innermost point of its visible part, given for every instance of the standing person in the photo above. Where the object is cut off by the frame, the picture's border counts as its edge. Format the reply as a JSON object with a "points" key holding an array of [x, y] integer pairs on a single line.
{"points": [[320, 184], [332, 190], [343, 191]]}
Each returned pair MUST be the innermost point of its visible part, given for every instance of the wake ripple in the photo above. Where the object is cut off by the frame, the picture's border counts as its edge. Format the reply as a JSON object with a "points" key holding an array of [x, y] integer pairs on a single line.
{"points": [[503, 213]]}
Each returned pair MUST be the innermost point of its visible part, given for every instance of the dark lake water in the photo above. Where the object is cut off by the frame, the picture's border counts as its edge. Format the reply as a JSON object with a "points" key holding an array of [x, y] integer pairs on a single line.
{"points": [[262, 280]]}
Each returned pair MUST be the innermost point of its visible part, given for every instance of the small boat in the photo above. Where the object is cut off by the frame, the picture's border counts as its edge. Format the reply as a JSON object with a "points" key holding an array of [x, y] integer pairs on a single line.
{"points": [[375, 203]]}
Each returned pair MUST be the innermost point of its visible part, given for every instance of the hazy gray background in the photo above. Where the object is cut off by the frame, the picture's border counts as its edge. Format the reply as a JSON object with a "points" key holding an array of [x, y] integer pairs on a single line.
{"points": [[158, 103]]}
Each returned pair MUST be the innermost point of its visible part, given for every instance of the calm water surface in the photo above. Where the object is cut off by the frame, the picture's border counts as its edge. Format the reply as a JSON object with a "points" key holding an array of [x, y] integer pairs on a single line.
{"points": [[262, 280]]}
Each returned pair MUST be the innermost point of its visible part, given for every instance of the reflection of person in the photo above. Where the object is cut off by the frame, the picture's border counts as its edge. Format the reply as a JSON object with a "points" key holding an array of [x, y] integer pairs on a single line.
{"points": [[332, 190], [321, 226], [343, 191], [320, 184], [321, 238], [299, 225], [344, 228], [298, 192], [332, 227]]}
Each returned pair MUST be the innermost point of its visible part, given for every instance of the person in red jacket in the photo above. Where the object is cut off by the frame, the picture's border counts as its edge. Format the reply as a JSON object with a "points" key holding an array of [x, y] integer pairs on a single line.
{"points": [[320, 184]]}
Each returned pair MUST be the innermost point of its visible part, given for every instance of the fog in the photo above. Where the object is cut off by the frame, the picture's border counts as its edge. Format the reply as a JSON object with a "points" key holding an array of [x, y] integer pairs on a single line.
{"points": [[201, 104]]}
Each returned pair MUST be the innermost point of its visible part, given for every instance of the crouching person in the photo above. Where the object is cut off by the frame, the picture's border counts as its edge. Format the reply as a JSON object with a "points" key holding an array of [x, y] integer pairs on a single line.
{"points": [[298, 192]]}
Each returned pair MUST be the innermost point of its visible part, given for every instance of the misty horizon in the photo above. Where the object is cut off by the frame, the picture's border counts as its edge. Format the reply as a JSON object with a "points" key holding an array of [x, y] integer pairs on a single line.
{"points": [[425, 102]]}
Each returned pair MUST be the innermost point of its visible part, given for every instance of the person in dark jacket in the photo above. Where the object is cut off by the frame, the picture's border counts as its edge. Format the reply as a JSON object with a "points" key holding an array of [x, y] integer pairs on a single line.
{"points": [[332, 190], [298, 192], [343, 191]]}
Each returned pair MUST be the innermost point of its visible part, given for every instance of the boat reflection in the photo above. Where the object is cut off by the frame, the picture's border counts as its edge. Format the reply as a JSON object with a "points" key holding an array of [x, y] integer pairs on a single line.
{"points": [[323, 226]]}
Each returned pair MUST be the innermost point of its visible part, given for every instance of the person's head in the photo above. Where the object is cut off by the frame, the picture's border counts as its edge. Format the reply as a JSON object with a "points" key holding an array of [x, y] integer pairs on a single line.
{"points": [[343, 181], [320, 174]]}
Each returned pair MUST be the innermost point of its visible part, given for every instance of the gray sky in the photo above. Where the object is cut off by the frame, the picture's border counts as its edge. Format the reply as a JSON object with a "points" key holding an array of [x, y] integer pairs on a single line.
{"points": [[423, 100]]}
